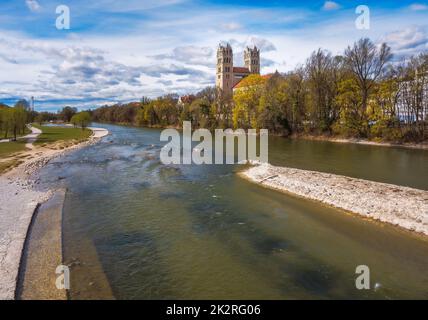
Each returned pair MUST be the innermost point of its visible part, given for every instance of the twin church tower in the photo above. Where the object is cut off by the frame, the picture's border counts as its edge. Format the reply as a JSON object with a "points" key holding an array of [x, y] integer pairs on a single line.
{"points": [[228, 76]]}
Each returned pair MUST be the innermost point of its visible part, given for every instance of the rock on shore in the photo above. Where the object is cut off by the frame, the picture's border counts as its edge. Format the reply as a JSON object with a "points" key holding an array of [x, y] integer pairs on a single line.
{"points": [[397, 205]]}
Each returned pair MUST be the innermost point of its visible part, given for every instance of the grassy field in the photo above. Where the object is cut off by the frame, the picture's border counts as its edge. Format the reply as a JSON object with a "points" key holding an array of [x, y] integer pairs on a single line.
{"points": [[9, 148], [54, 134], [50, 135]]}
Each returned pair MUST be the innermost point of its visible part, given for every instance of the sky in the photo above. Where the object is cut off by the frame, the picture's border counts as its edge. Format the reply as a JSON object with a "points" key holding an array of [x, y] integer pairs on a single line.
{"points": [[118, 51]]}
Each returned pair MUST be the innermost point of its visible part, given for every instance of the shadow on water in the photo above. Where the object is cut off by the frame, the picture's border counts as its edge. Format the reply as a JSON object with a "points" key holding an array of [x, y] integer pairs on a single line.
{"points": [[137, 259]]}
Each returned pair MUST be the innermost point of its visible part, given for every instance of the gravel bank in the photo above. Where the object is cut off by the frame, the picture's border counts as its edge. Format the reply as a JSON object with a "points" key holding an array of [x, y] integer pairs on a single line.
{"points": [[397, 205], [18, 202], [43, 253]]}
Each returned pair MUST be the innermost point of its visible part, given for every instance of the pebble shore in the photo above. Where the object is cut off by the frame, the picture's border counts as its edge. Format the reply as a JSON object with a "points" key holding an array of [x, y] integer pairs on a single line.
{"points": [[400, 206], [19, 201]]}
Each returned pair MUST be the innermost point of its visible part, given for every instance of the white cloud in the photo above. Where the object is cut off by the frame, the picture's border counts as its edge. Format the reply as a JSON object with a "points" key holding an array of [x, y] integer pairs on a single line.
{"points": [[82, 75], [192, 55], [330, 5], [174, 52], [33, 5], [418, 7], [409, 41], [262, 43], [231, 26]]}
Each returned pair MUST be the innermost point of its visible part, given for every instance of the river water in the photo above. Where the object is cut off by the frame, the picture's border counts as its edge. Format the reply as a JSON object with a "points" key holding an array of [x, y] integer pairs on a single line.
{"points": [[134, 228]]}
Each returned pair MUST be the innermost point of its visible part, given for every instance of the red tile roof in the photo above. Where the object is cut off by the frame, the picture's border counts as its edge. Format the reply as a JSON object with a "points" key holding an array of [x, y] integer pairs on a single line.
{"points": [[240, 70]]}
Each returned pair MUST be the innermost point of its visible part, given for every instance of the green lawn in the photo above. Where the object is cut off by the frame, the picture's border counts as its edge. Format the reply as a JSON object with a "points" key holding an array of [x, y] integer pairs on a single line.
{"points": [[9, 148], [54, 134], [49, 135]]}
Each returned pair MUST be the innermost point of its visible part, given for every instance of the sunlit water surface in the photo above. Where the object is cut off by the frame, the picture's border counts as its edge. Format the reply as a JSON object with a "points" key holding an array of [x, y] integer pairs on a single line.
{"points": [[137, 229]]}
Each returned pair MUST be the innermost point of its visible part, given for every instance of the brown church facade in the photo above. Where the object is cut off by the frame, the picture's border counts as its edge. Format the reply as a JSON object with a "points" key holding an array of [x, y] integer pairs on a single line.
{"points": [[227, 75]]}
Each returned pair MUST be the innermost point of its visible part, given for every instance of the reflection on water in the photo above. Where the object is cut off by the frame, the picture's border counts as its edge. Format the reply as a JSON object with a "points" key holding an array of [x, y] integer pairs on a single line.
{"points": [[137, 229], [402, 166]]}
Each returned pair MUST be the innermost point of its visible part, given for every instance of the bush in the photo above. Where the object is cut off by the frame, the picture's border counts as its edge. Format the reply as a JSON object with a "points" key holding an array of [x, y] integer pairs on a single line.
{"points": [[387, 130]]}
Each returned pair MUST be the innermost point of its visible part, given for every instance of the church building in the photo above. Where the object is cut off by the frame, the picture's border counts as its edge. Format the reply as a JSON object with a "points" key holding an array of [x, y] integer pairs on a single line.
{"points": [[228, 76]]}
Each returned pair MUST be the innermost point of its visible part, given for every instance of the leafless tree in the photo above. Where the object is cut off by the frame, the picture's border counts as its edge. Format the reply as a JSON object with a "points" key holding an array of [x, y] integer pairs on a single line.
{"points": [[322, 70], [367, 61]]}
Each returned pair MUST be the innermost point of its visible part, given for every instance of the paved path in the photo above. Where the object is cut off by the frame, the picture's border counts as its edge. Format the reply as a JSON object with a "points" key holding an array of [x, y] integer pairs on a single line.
{"points": [[32, 137], [18, 201]]}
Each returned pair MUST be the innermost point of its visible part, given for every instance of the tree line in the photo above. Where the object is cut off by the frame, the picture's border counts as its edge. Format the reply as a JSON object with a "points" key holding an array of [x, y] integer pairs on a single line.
{"points": [[13, 120], [360, 94], [63, 115]]}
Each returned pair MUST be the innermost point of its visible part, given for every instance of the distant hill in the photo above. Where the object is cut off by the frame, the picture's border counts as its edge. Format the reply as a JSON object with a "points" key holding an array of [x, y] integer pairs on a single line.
{"points": [[2, 106]]}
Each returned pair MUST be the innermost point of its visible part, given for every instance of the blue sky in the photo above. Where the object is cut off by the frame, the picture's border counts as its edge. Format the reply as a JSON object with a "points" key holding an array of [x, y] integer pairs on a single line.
{"points": [[118, 51]]}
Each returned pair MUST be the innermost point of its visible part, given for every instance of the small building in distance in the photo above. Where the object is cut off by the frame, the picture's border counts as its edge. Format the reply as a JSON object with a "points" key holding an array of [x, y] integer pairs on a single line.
{"points": [[409, 109], [186, 99]]}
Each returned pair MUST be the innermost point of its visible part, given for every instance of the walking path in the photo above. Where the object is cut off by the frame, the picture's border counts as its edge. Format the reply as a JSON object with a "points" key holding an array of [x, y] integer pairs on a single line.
{"points": [[19, 201], [32, 137]]}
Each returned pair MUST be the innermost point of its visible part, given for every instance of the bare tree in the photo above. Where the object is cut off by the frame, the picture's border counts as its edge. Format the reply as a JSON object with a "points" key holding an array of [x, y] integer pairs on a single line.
{"points": [[367, 61], [322, 71]]}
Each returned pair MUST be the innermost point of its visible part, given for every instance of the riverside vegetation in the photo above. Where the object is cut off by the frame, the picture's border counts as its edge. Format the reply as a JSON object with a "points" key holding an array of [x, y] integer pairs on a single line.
{"points": [[13, 153], [362, 93]]}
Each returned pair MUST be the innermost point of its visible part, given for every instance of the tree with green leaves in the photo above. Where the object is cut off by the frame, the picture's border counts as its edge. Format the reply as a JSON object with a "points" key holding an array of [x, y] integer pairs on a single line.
{"points": [[67, 113], [40, 118], [272, 109], [246, 99], [6, 121], [350, 122], [81, 119]]}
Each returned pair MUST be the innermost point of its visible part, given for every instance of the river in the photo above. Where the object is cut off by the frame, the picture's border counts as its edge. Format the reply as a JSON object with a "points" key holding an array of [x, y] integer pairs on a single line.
{"points": [[134, 228]]}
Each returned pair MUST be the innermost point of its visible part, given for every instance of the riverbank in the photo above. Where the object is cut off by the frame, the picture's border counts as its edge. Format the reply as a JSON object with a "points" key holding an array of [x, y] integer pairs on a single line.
{"points": [[43, 253], [423, 145], [19, 201], [400, 206]]}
